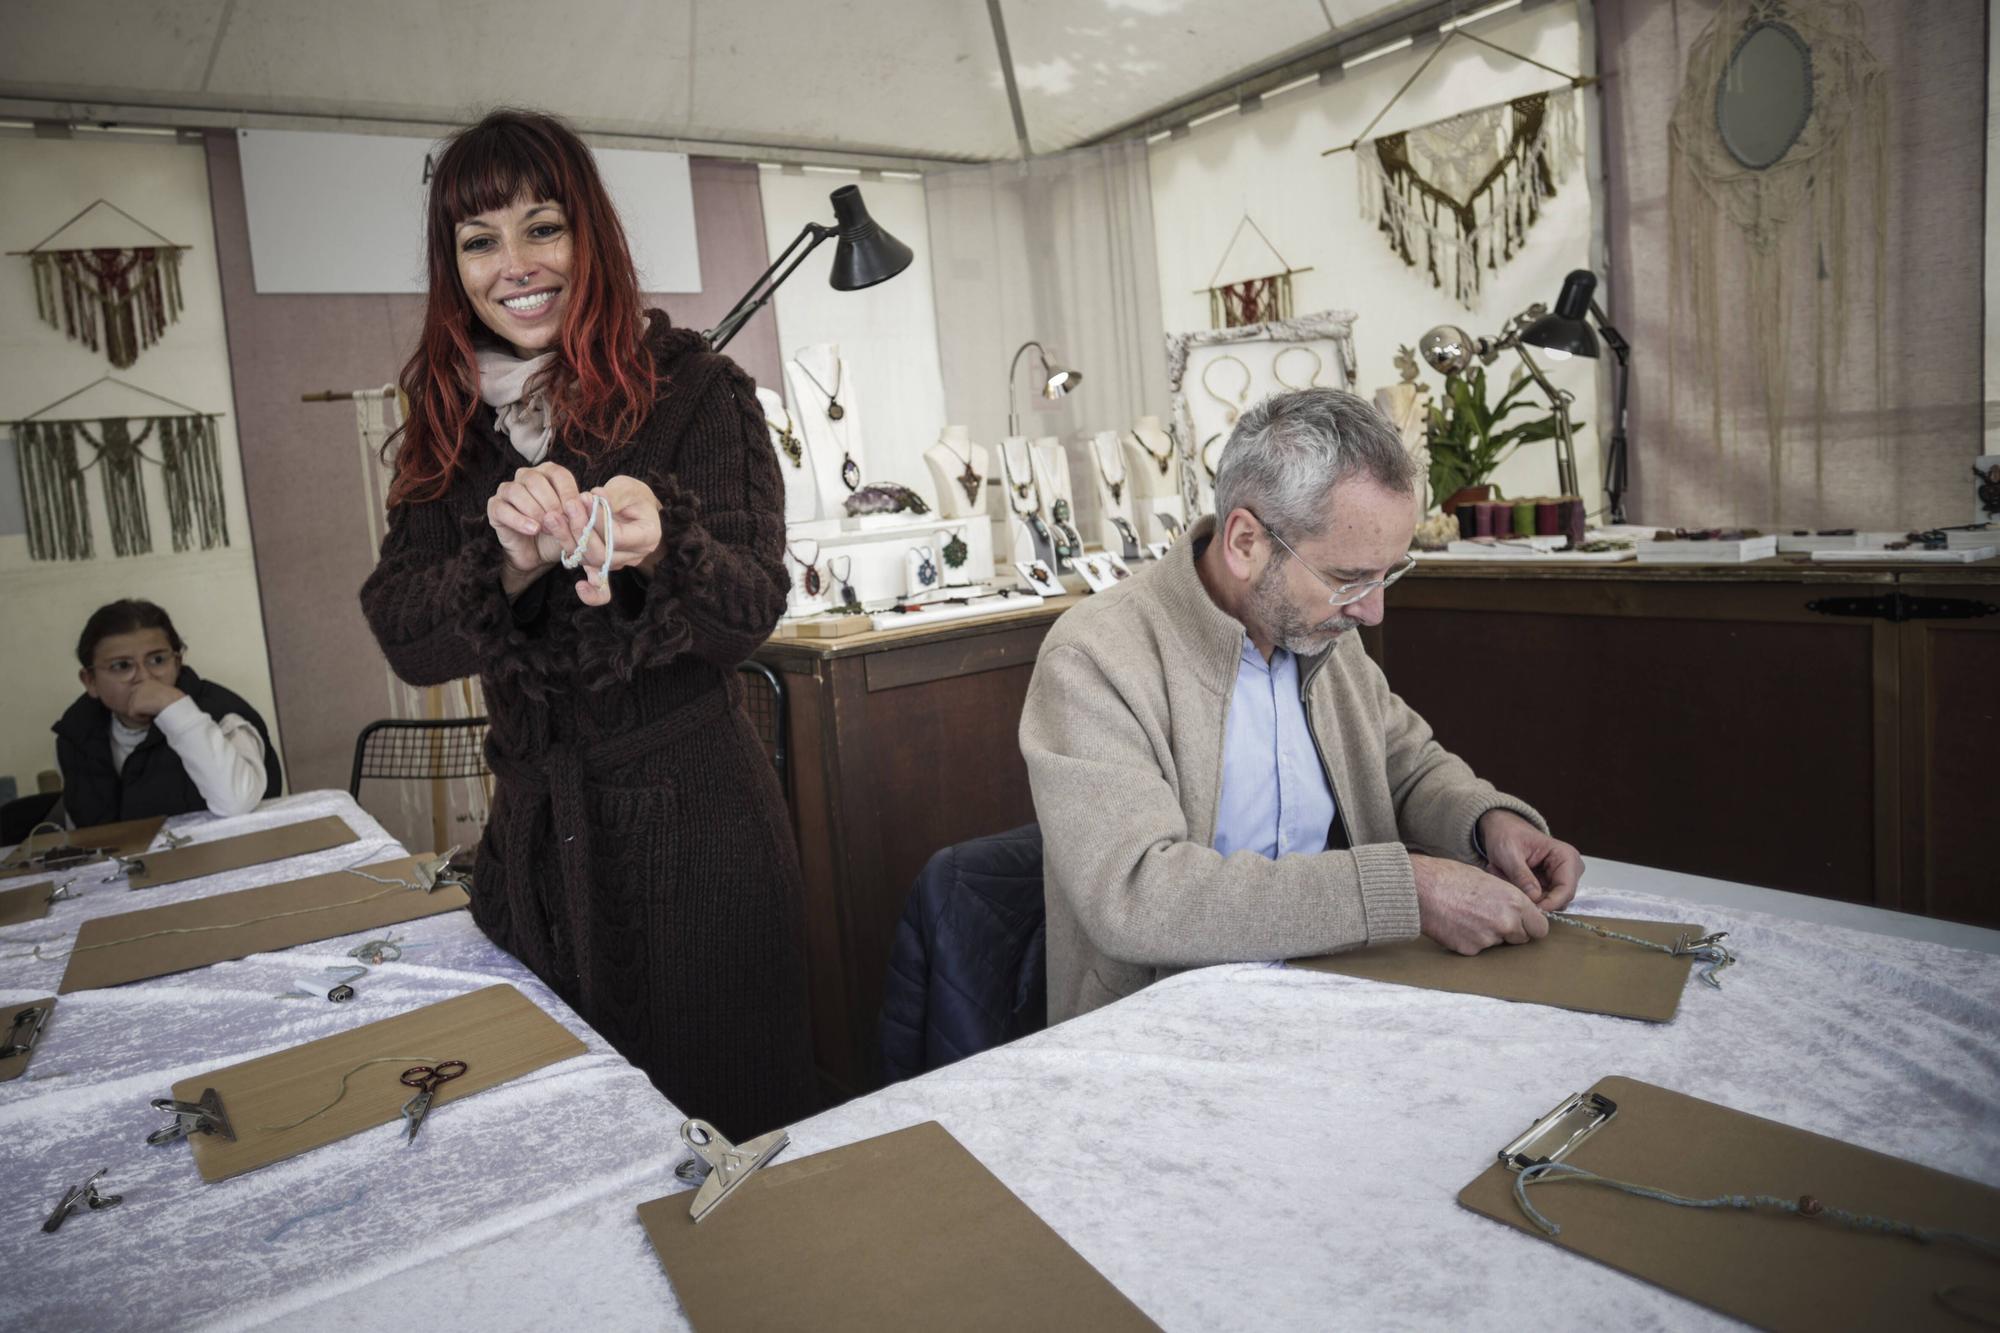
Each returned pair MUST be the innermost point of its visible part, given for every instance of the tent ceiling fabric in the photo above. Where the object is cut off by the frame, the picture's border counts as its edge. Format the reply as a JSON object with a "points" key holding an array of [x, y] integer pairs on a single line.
{"points": [[911, 77]]}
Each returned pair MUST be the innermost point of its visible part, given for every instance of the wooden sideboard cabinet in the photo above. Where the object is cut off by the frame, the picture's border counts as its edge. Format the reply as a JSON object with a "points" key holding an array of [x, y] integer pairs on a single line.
{"points": [[902, 742], [1827, 729]]}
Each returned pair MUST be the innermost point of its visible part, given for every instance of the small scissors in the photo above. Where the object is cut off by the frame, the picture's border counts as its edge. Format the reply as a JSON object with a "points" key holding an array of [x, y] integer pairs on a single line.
{"points": [[426, 1078]]}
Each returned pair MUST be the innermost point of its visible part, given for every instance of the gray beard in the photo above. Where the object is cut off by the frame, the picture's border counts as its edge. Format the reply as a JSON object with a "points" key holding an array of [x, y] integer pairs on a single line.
{"points": [[1288, 629]]}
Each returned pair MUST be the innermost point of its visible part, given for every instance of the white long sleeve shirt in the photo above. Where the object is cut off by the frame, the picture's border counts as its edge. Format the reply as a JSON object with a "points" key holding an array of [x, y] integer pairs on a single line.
{"points": [[224, 758]]}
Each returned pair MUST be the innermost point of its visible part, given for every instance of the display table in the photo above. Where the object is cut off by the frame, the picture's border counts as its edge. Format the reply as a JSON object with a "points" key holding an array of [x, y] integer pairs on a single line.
{"points": [[301, 1234], [902, 742], [1237, 1147], [1826, 729]]}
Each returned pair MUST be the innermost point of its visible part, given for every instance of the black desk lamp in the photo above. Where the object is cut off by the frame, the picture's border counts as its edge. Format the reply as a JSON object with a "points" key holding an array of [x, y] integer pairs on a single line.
{"points": [[1564, 332], [864, 256]]}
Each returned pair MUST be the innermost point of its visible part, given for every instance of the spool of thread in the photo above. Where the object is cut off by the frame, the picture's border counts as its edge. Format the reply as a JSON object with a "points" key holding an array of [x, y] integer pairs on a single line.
{"points": [[1548, 517], [1482, 519], [1524, 518], [1468, 521], [1572, 511]]}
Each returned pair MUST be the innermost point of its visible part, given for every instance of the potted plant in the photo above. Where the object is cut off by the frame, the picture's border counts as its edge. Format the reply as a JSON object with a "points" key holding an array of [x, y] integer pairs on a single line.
{"points": [[1466, 440]]}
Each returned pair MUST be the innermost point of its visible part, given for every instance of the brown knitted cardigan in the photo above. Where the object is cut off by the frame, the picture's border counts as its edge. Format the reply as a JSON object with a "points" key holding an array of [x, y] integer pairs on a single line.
{"points": [[638, 857]]}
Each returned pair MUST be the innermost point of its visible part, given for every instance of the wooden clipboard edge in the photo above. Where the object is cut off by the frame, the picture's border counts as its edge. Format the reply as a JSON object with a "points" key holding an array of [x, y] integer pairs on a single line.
{"points": [[437, 895], [143, 877], [28, 895], [191, 1089], [1313, 963], [16, 1065], [16, 860]]}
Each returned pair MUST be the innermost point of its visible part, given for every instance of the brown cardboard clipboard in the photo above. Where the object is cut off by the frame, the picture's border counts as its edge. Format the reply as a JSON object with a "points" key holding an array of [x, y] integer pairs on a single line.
{"points": [[13, 1066], [1770, 1269], [907, 1230], [30, 902], [128, 837], [158, 941], [246, 849], [1567, 969], [497, 1031]]}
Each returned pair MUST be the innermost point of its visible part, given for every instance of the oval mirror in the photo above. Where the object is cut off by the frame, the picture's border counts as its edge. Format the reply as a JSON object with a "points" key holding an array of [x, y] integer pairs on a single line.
{"points": [[1765, 96]]}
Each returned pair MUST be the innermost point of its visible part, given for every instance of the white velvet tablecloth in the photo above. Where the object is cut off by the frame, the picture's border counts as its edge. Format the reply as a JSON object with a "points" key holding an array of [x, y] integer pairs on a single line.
{"points": [[1239, 1147], [296, 1235]]}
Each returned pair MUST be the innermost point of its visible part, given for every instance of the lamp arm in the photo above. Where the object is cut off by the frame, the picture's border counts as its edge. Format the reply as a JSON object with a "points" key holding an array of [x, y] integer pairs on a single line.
{"points": [[1013, 416], [1617, 455], [762, 290], [1565, 436]]}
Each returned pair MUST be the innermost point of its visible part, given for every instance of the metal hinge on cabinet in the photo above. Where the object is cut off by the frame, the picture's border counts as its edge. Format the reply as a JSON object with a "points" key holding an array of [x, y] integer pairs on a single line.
{"points": [[1900, 606]]}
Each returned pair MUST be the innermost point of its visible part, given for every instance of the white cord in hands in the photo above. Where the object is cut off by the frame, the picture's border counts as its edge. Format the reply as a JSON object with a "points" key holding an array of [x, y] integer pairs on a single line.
{"points": [[571, 559]]}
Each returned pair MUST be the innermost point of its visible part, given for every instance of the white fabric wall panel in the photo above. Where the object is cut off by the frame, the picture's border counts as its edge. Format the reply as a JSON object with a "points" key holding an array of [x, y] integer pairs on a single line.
{"points": [[887, 334], [345, 212], [1270, 165]]}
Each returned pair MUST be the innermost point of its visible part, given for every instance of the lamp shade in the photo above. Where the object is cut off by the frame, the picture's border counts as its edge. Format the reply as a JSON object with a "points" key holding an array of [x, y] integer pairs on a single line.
{"points": [[864, 254], [1566, 329], [1057, 381]]}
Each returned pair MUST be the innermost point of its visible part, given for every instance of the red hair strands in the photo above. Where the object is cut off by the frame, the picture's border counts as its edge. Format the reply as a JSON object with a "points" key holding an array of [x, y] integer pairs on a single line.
{"points": [[602, 383]]}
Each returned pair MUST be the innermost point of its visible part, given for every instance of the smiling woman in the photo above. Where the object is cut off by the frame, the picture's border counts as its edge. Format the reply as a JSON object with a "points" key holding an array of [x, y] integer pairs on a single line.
{"points": [[638, 856]]}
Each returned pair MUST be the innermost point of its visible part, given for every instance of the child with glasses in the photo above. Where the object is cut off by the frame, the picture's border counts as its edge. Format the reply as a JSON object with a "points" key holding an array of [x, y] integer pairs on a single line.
{"points": [[149, 736]]}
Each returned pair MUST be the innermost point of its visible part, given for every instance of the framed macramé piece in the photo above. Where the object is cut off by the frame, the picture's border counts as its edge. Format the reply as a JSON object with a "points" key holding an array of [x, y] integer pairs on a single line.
{"points": [[1216, 375]]}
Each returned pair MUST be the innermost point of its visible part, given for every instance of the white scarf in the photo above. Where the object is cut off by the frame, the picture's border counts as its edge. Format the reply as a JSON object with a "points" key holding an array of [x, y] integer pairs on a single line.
{"points": [[503, 384]]}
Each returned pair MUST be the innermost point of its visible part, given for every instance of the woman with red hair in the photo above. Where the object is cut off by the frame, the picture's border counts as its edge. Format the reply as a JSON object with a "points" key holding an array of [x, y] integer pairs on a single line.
{"points": [[638, 856]]}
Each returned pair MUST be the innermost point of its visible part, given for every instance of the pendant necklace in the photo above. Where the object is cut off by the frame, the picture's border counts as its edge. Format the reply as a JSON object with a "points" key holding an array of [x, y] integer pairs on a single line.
{"points": [[1207, 466], [811, 567], [926, 567], [1117, 488], [834, 411], [840, 571], [1229, 410], [969, 480], [788, 439], [1164, 461], [1022, 489], [1279, 360], [955, 550]]}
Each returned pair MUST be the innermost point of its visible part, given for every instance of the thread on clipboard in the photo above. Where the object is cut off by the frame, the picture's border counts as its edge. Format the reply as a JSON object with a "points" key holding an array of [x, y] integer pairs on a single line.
{"points": [[338, 1096], [1805, 1206], [1709, 948]]}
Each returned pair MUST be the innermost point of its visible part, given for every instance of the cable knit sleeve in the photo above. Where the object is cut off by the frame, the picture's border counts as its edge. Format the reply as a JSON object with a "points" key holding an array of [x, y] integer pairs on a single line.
{"points": [[435, 602], [720, 585]]}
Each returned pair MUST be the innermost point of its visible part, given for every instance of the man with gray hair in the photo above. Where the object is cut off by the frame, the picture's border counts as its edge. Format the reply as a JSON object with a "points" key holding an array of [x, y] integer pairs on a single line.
{"points": [[1222, 773]]}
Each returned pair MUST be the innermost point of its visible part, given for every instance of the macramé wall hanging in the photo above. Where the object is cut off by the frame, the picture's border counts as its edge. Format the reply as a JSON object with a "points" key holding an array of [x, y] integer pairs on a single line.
{"points": [[1264, 300], [1456, 198], [49, 455], [133, 292], [1783, 110]]}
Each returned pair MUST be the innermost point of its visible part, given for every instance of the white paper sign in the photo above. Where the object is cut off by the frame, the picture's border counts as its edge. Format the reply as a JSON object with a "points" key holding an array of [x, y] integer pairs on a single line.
{"points": [[345, 212]]}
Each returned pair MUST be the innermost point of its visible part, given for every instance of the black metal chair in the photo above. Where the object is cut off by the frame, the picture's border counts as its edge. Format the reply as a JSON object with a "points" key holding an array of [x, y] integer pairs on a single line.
{"points": [[418, 751], [764, 700]]}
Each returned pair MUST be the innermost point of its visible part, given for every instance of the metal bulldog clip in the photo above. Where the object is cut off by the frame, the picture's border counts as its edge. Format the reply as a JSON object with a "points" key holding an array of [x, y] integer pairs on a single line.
{"points": [[437, 873], [727, 1164], [84, 1195], [203, 1117], [1557, 1134], [22, 1032]]}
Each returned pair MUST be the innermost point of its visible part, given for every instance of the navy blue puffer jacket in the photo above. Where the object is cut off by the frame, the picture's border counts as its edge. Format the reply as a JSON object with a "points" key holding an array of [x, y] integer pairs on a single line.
{"points": [[968, 970]]}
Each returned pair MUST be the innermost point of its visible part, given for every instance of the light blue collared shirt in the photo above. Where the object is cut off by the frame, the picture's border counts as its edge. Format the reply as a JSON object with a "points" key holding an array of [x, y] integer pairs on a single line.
{"points": [[1275, 797]]}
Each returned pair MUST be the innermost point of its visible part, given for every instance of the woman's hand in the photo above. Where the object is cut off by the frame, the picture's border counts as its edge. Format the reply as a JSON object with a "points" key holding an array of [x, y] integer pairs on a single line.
{"points": [[635, 534], [531, 517], [149, 698]]}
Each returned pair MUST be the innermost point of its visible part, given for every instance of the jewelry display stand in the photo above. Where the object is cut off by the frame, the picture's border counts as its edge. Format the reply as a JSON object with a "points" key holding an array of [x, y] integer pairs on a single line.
{"points": [[794, 464], [1218, 374], [1117, 531], [821, 387], [959, 470], [1051, 470], [1152, 486], [1028, 536]]}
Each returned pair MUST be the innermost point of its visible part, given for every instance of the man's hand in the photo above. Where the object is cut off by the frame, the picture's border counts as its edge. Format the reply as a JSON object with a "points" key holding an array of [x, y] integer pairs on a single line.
{"points": [[1467, 910], [1546, 869]]}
